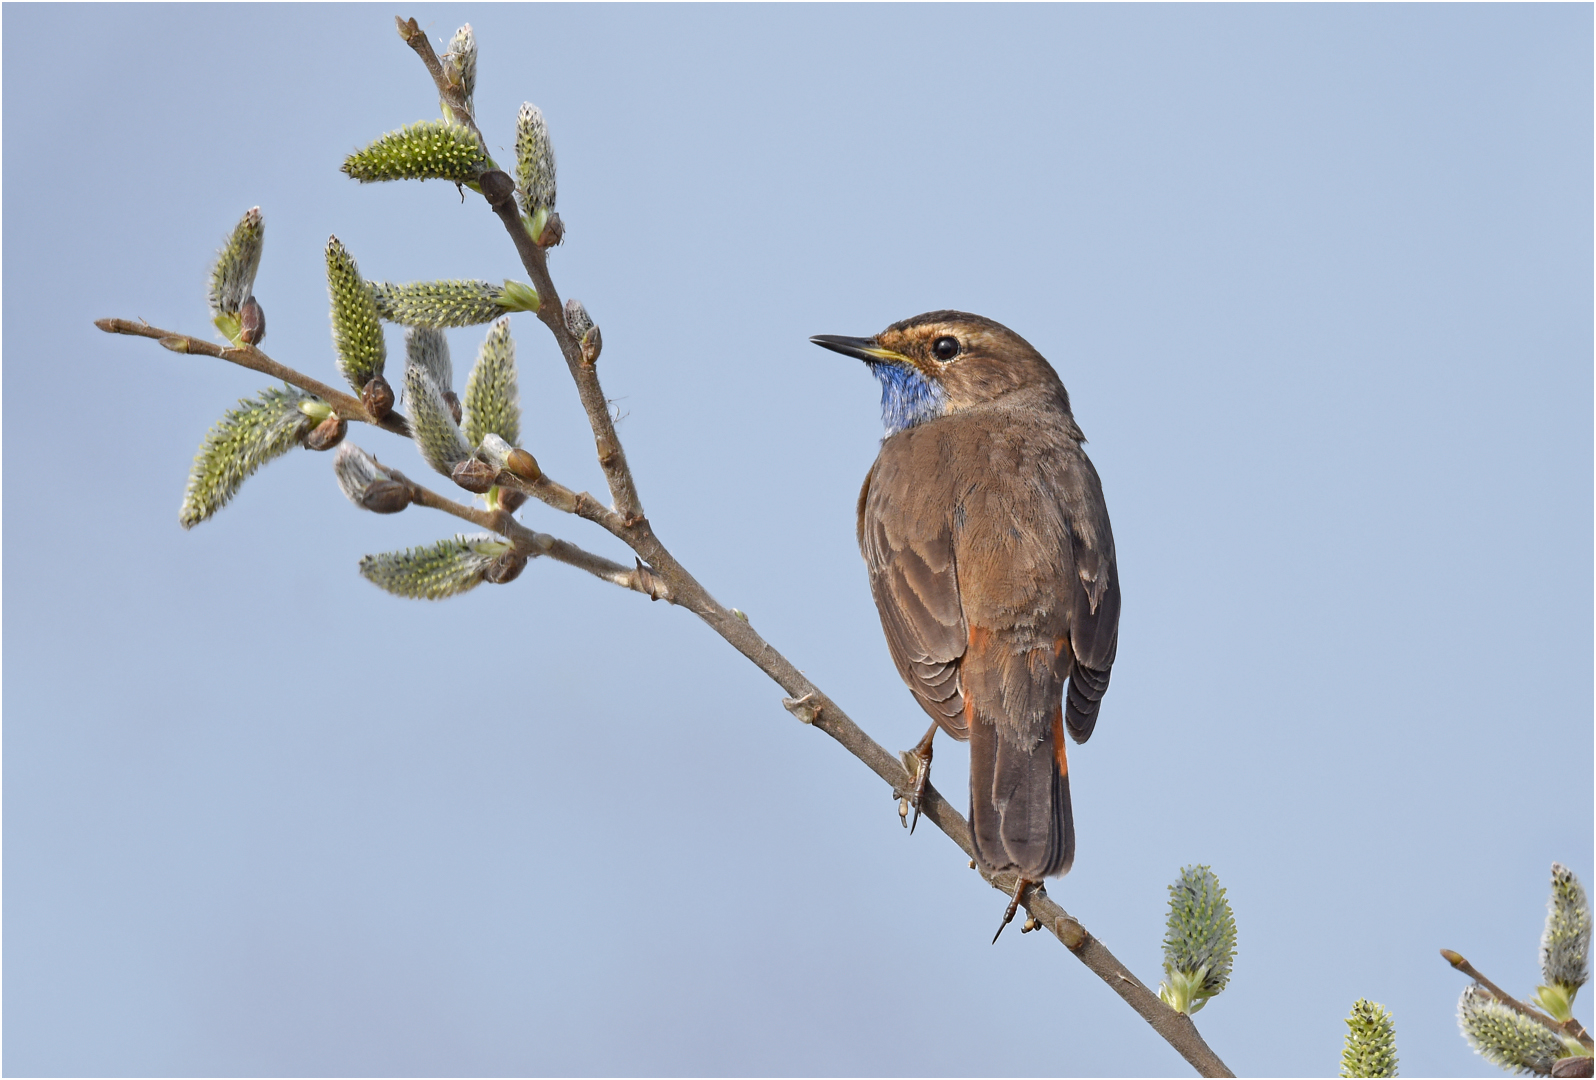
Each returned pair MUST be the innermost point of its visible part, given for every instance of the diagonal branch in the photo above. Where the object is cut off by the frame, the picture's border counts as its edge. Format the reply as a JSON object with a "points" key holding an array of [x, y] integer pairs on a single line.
{"points": [[533, 544], [612, 459], [806, 701], [1570, 1028]]}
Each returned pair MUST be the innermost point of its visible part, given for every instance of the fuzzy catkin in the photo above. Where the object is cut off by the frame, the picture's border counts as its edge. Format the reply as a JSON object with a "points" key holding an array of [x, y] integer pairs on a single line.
{"points": [[440, 570], [429, 150], [246, 438], [1371, 1041], [356, 329], [233, 275], [492, 400]]}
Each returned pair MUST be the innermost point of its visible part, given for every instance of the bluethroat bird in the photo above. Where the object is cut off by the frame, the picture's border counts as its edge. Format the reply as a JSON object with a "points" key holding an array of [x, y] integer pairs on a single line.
{"points": [[991, 561]]}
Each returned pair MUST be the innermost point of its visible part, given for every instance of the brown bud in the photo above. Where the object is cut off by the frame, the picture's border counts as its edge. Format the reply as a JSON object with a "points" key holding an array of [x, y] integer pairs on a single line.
{"points": [[377, 397], [553, 232], [592, 345], [474, 475], [252, 322], [511, 500], [505, 569], [1572, 1066], [497, 187], [523, 465], [327, 434], [386, 497], [453, 401]]}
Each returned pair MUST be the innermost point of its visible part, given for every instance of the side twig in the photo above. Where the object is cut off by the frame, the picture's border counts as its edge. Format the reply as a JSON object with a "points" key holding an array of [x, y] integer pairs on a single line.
{"points": [[350, 408], [1570, 1028]]}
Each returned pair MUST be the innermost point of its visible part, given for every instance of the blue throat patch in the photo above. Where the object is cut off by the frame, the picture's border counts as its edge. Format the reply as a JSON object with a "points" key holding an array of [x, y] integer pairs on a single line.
{"points": [[907, 397]]}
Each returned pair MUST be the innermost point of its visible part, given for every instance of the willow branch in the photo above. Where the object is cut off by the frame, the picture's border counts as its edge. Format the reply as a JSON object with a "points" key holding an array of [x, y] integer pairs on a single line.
{"points": [[350, 408], [527, 541], [612, 458], [806, 701], [532, 543], [1571, 1028], [453, 94]]}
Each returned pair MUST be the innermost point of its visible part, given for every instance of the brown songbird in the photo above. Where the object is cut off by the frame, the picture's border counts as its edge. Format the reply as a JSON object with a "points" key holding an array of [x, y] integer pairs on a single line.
{"points": [[991, 561]]}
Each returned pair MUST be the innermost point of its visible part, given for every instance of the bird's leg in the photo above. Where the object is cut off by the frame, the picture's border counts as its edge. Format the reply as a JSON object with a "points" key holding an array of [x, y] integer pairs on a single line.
{"points": [[922, 773], [1014, 905]]}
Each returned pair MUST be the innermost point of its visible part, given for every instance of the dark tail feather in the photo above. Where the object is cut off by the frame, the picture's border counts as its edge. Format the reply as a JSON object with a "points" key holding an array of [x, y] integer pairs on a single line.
{"points": [[1019, 805], [1085, 694]]}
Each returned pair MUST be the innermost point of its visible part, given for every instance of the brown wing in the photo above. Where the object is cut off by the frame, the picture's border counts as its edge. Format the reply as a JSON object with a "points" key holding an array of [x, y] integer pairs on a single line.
{"points": [[1094, 605], [908, 547]]}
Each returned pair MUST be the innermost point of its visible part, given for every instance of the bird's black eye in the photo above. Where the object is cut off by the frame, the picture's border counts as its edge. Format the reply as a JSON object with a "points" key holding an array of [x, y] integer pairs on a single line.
{"points": [[945, 348]]}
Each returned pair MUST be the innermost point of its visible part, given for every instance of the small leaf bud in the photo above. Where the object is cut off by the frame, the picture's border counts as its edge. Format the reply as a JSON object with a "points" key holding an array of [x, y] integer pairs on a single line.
{"points": [[327, 434], [462, 56], [553, 232], [315, 408], [517, 296], [510, 500], [366, 483], [497, 187], [386, 497], [506, 568], [580, 324], [252, 322], [377, 397], [524, 465], [175, 342], [474, 475]]}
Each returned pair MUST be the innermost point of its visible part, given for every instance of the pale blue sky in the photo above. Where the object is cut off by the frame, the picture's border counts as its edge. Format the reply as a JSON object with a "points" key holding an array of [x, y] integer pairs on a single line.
{"points": [[1318, 279]]}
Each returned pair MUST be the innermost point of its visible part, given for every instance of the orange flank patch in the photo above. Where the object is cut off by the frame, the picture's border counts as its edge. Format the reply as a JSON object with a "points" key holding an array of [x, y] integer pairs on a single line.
{"points": [[1059, 646], [1058, 742]]}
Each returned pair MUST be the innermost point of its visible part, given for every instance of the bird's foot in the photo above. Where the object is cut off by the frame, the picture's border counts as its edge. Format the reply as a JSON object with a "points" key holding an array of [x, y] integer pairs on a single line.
{"points": [[918, 762], [1014, 905]]}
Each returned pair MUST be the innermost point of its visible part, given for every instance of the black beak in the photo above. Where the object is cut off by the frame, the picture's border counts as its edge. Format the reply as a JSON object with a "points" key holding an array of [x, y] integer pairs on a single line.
{"points": [[860, 348]]}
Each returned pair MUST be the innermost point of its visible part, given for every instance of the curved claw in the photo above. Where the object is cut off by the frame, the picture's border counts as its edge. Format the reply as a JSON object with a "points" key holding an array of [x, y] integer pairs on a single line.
{"points": [[1014, 905], [922, 773]]}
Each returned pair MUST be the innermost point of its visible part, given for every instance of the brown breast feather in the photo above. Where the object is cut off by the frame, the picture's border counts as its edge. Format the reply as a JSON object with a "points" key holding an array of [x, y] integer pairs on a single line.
{"points": [[1019, 507]]}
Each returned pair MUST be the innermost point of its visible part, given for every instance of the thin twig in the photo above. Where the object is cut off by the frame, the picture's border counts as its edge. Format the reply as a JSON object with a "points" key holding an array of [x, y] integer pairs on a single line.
{"points": [[350, 408], [1571, 1028], [452, 93], [530, 542], [612, 458]]}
